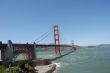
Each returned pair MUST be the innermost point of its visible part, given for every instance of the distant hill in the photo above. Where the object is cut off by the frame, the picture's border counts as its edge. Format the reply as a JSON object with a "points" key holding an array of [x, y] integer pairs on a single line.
{"points": [[104, 45], [99, 46]]}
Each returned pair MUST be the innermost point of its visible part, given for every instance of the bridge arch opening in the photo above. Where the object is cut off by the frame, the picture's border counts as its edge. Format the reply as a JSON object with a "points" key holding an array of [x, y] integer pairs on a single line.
{"points": [[26, 54], [22, 56]]}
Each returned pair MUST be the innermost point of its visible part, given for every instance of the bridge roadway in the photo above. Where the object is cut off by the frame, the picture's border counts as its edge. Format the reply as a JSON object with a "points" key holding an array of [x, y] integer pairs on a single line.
{"points": [[4, 46]]}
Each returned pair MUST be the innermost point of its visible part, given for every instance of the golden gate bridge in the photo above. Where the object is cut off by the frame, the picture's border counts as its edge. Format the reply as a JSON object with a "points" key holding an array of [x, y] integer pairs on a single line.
{"points": [[11, 50]]}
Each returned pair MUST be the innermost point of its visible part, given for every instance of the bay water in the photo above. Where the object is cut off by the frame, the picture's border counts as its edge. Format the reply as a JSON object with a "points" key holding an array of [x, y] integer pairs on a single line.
{"points": [[83, 60]]}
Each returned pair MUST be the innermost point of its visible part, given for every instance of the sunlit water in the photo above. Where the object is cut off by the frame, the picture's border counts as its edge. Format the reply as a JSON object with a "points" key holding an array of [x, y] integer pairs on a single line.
{"points": [[86, 60]]}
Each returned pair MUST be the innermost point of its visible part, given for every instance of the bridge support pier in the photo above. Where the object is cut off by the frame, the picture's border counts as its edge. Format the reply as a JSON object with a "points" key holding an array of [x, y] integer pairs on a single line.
{"points": [[9, 51], [34, 52]]}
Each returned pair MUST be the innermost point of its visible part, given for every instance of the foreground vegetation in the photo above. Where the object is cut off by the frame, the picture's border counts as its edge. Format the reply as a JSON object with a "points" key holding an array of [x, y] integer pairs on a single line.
{"points": [[17, 67], [23, 66], [2, 68]]}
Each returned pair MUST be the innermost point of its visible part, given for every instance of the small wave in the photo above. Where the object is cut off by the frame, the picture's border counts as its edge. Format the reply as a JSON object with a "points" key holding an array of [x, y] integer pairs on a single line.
{"points": [[58, 65]]}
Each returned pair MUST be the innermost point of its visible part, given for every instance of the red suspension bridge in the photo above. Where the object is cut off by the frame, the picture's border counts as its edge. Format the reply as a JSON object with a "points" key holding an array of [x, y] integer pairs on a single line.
{"points": [[11, 50]]}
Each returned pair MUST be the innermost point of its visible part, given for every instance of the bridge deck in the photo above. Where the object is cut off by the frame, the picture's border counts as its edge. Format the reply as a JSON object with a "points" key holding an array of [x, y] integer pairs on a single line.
{"points": [[3, 46]]}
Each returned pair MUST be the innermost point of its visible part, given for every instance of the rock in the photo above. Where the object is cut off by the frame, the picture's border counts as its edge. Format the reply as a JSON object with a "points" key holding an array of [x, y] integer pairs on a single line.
{"points": [[46, 68]]}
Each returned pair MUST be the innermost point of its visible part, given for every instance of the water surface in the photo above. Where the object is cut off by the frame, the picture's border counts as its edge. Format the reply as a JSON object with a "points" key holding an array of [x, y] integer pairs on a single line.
{"points": [[86, 60], [83, 60]]}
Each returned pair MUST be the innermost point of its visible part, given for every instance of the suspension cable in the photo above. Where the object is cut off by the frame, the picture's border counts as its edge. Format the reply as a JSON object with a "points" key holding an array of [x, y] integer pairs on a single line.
{"points": [[42, 37]]}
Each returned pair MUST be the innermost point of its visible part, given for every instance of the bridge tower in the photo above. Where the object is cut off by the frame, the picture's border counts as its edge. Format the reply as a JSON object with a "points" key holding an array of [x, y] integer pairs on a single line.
{"points": [[56, 40], [73, 47]]}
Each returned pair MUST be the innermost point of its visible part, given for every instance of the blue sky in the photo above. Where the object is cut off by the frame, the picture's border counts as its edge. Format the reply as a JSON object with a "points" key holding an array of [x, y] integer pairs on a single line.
{"points": [[87, 22]]}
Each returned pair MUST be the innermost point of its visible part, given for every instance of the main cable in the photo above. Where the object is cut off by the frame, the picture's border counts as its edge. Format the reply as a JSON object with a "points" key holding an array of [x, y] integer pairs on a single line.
{"points": [[42, 37]]}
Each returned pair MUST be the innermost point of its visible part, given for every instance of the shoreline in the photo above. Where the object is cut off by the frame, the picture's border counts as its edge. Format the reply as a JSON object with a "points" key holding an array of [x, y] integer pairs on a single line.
{"points": [[34, 66]]}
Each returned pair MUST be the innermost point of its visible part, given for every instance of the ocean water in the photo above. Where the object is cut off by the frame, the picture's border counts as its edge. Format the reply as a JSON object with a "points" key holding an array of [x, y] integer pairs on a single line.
{"points": [[83, 60], [86, 60]]}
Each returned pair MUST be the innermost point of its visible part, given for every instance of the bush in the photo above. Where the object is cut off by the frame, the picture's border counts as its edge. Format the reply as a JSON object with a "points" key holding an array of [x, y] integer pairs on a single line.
{"points": [[2, 68]]}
